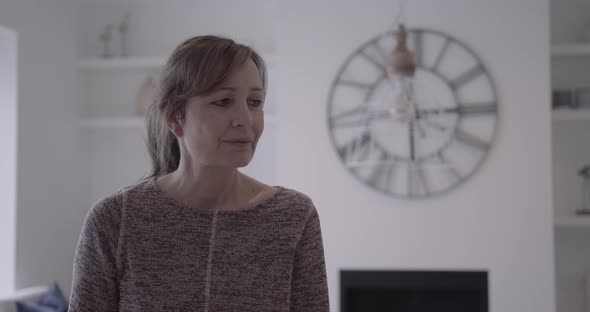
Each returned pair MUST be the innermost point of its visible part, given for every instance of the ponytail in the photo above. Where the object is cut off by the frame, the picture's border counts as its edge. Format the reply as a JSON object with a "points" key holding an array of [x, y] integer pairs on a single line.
{"points": [[161, 143]]}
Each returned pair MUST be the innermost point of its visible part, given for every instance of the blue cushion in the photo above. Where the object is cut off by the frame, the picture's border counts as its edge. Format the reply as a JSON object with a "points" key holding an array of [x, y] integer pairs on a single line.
{"points": [[51, 301], [54, 298], [22, 306]]}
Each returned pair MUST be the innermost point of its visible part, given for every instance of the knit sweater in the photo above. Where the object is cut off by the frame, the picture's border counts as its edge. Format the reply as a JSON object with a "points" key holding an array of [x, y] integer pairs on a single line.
{"points": [[140, 250]]}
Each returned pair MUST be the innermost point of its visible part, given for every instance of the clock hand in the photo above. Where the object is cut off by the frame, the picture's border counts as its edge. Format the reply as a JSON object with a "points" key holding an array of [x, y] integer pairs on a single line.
{"points": [[412, 142], [357, 117], [435, 125], [416, 116], [424, 114], [421, 129], [471, 109]]}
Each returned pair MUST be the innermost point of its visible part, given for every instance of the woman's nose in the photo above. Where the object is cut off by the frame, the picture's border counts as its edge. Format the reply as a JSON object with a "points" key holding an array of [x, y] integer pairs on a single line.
{"points": [[243, 116]]}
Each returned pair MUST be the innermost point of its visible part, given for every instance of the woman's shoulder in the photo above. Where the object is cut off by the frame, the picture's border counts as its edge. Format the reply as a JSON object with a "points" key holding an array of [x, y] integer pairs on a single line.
{"points": [[293, 201], [294, 196], [110, 206], [281, 197]]}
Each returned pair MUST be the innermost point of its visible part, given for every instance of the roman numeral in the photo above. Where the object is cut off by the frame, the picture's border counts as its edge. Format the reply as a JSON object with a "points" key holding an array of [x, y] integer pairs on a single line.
{"points": [[382, 173], [416, 180], [441, 54], [376, 47], [471, 140], [466, 77], [379, 62], [357, 150], [372, 60], [451, 169], [418, 47]]}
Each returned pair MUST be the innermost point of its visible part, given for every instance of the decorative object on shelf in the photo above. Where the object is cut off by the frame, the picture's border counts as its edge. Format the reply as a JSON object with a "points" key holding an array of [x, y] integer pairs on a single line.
{"points": [[105, 37], [145, 96], [584, 173], [573, 98], [562, 98], [123, 29], [412, 122], [582, 97]]}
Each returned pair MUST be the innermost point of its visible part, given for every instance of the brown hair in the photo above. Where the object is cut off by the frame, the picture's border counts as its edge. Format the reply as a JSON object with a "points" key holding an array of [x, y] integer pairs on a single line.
{"points": [[197, 66]]}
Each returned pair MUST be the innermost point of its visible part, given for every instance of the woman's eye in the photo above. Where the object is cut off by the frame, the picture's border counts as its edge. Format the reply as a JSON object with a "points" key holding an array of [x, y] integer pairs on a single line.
{"points": [[255, 103], [222, 102]]}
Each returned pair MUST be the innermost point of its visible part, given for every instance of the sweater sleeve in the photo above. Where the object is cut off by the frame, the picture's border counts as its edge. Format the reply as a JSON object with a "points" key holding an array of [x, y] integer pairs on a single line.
{"points": [[94, 284], [309, 289]]}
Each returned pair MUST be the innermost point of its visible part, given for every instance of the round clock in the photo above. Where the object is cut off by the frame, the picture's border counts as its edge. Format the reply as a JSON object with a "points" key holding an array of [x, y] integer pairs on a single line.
{"points": [[434, 140]]}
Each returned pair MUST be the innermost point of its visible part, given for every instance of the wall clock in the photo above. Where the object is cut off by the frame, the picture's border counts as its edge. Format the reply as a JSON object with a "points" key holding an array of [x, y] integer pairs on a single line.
{"points": [[434, 142]]}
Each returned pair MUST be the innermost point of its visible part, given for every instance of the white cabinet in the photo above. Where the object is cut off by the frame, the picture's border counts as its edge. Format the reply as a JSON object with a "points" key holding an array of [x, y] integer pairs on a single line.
{"points": [[571, 151], [113, 133]]}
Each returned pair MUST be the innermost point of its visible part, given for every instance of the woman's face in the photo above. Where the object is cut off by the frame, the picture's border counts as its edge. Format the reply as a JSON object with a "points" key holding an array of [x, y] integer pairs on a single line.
{"points": [[222, 128]]}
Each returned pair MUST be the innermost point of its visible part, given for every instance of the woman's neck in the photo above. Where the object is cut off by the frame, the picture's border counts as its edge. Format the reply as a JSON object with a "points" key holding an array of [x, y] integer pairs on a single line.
{"points": [[215, 188]]}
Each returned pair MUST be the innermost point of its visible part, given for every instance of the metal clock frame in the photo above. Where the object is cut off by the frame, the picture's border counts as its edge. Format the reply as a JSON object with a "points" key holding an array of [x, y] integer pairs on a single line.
{"points": [[448, 39]]}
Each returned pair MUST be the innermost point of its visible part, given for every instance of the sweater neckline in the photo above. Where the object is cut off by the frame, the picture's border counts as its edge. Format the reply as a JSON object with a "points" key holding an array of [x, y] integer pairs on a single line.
{"points": [[250, 208]]}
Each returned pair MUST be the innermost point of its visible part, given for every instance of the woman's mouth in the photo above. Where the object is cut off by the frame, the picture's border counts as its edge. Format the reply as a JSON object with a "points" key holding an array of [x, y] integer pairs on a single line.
{"points": [[238, 142]]}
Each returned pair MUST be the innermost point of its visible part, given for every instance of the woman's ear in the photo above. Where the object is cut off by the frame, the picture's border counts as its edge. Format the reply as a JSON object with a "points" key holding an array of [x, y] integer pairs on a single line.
{"points": [[175, 125]]}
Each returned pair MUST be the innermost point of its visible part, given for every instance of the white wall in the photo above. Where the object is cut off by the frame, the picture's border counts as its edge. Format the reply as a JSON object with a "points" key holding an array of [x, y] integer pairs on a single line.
{"points": [[157, 27], [8, 127], [48, 195], [500, 220]]}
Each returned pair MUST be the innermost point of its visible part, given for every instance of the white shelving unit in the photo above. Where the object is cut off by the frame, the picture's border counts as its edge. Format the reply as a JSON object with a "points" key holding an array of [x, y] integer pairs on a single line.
{"points": [[113, 133], [573, 221], [570, 151], [570, 50], [571, 117], [568, 115]]}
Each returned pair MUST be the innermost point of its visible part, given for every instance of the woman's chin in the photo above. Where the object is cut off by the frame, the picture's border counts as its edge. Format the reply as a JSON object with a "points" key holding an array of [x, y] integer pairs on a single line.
{"points": [[239, 162]]}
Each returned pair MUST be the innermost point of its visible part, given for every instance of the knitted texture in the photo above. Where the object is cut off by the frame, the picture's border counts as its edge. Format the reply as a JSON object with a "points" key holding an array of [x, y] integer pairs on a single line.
{"points": [[140, 250]]}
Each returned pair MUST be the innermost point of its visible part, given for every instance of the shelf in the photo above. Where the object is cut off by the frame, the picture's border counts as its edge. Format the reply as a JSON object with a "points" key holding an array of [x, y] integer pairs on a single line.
{"points": [[573, 221], [121, 63], [571, 49], [562, 115], [137, 63], [121, 123]]}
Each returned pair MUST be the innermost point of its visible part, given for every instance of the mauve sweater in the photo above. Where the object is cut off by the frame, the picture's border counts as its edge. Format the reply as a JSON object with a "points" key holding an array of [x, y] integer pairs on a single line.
{"points": [[140, 250]]}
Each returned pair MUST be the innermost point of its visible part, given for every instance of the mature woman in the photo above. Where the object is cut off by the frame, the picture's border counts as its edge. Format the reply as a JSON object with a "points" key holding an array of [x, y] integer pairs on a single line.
{"points": [[197, 234]]}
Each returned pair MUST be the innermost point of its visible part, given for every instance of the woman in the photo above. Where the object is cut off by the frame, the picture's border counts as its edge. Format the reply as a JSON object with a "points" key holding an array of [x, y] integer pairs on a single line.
{"points": [[197, 234]]}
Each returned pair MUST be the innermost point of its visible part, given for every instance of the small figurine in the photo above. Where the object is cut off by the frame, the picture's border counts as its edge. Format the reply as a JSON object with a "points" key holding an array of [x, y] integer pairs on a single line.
{"points": [[105, 37], [123, 30]]}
